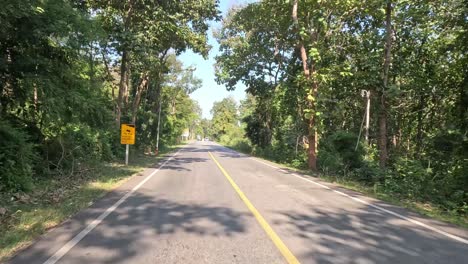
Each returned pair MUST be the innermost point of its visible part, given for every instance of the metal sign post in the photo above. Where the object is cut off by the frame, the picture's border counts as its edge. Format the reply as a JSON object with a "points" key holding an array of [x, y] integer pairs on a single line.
{"points": [[127, 147], [367, 117], [127, 137]]}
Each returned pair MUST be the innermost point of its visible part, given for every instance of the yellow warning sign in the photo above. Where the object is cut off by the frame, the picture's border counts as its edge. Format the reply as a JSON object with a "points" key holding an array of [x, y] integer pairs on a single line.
{"points": [[127, 134]]}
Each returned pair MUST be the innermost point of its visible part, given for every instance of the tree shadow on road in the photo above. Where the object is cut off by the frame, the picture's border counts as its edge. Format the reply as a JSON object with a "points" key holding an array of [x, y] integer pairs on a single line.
{"points": [[180, 163], [194, 149], [141, 224], [367, 236], [225, 154]]}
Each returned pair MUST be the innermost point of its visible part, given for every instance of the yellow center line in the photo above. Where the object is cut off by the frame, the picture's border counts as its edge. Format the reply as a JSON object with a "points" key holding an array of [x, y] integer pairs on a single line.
{"points": [[290, 258]]}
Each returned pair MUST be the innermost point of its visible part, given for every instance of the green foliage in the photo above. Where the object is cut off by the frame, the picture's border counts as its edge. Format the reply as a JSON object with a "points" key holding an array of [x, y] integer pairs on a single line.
{"points": [[178, 111], [338, 153], [70, 71], [18, 156], [232, 136], [330, 162], [425, 99], [241, 145], [410, 179], [78, 145], [275, 153], [60, 79], [225, 119]]}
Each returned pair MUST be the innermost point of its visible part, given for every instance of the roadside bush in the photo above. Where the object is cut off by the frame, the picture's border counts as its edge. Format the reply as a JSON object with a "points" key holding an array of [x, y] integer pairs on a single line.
{"points": [[77, 145], [448, 158], [243, 145], [412, 179], [338, 154], [17, 158], [300, 160], [329, 161], [409, 179], [271, 153], [370, 173], [281, 153], [232, 136], [225, 140]]}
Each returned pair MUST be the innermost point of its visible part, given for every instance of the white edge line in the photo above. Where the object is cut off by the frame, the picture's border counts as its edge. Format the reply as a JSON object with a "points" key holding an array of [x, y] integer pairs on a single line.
{"points": [[459, 239], [76, 239]]}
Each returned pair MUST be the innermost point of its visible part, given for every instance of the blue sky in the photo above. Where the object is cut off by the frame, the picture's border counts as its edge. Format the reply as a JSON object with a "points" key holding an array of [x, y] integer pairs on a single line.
{"points": [[210, 91]]}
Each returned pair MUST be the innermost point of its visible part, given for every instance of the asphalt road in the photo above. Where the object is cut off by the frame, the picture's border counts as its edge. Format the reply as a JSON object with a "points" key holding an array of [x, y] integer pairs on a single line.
{"points": [[226, 207]]}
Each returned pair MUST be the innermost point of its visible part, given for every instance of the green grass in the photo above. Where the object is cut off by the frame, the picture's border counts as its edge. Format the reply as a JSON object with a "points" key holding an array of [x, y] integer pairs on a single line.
{"points": [[52, 201], [428, 209]]}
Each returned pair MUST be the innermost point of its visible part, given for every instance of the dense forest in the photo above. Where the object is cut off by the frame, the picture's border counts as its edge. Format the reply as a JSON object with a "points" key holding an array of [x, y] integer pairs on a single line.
{"points": [[368, 93], [72, 71], [371, 91], [375, 92]]}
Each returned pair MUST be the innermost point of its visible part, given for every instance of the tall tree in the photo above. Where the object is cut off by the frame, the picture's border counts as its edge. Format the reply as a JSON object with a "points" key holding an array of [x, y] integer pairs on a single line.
{"points": [[383, 90], [309, 70], [263, 47], [138, 29], [225, 116]]}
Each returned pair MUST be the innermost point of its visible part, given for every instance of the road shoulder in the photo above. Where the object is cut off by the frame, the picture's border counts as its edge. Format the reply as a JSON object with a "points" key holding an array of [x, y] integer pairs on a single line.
{"points": [[101, 196]]}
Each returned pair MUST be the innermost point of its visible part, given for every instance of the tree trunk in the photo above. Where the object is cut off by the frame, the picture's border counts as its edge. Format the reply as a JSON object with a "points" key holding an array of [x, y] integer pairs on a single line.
{"points": [[383, 102], [91, 64], [463, 104], [312, 161], [368, 102], [419, 133], [122, 99], [383, 138], [123, 87], [312, 135], [35, 102], [109, 76], [6, 90], [127, 88], [140, 89]]}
